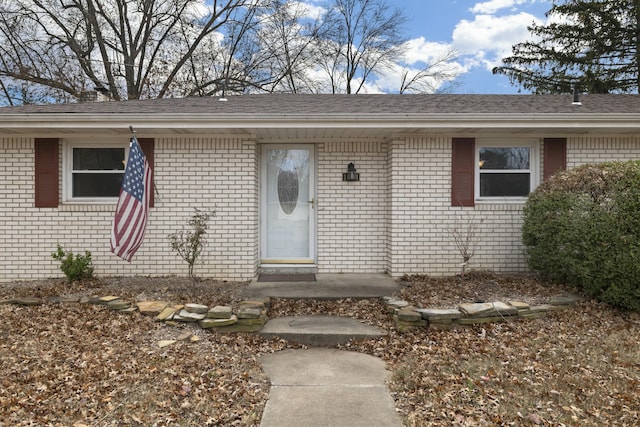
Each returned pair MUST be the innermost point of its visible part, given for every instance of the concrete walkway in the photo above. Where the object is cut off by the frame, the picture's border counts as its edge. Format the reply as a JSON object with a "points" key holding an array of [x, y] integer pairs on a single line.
{"points": [[327, 387], [327, 286], [319, 331]]}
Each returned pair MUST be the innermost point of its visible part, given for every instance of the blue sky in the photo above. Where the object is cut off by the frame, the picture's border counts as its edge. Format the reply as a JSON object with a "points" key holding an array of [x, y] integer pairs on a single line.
{"points": [[481, 32]]}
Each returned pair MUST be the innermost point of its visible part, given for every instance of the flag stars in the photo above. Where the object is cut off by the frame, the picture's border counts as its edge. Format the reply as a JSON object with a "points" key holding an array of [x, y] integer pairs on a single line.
{"points": [[133, 180]]}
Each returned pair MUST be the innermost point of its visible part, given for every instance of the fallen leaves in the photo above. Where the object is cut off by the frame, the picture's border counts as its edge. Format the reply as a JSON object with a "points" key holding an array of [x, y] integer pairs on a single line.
{"points": [[84, 365]]}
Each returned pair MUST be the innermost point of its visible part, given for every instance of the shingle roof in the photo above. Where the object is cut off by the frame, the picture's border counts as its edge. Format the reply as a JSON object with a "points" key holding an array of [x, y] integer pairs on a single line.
{"points": [[294, 105]]}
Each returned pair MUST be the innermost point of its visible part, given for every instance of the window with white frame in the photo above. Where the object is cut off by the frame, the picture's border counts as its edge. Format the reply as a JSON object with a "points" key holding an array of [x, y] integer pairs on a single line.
{"points": [[505, 170], [93, 172]]}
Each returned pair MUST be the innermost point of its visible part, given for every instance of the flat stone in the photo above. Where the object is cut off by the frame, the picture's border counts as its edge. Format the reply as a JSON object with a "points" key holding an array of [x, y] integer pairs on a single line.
{"points": [[217, 323], [194, 338], [151, 308], [166, 314], [166, 343], [103, 300], [128, 310], [258, 300], [220, 312], [504, 309], [487, 309], [253, 322], [476, 309], [564, 300], [397, 303], [436, 314], [409, 315], [251, 304], [519, 305], [184, 336], [28, 301], [409, 326], [441, 321], [118, 304], [186, 316], [196, 308], [540, 308], [63, 300], [249, 313]]}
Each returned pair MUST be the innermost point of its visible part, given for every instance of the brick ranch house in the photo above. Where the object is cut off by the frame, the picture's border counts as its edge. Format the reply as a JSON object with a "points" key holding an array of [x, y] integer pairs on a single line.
{"points": [[275, 170]]}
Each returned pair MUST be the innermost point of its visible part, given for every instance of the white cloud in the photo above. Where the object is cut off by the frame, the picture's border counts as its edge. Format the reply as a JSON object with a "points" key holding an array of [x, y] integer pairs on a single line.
{"points": [[492, 6], [420, 53], [311, 11], [488, 38], [421, 50]]}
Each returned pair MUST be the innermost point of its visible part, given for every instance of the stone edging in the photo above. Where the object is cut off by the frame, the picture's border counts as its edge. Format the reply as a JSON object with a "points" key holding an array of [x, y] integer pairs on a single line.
{"points": [[246, 316], [407, 317], [251, 315]]}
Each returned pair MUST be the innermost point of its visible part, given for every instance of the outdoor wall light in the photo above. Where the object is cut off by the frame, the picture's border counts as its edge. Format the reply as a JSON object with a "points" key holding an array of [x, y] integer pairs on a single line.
{"points": [[351, 174]]}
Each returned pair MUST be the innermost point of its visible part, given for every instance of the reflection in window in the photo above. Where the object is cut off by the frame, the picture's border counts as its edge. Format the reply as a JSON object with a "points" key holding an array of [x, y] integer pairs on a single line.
{"points": [[504, 171], [288, 187], [504, 158], [97, 171]]}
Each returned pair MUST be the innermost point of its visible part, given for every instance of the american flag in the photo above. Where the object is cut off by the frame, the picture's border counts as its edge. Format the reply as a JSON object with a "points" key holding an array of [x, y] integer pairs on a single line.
{"points": [[130, 220]]}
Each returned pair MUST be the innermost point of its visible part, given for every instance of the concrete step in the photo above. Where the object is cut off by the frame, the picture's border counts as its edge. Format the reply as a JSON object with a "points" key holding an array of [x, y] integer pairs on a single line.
{"points": [[319, 331], [327, 286], [296, 269]]}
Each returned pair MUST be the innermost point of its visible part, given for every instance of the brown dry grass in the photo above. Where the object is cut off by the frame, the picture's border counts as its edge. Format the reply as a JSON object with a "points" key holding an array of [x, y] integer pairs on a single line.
{"points": [[85, 365]]}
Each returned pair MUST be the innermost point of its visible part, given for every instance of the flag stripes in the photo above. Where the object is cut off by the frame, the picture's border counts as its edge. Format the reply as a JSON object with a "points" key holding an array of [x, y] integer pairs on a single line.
{"points": [[132, 210]]}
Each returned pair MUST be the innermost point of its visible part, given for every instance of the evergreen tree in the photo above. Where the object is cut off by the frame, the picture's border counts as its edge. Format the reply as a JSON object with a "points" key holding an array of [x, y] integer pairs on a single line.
{"points": [[590, 43]]}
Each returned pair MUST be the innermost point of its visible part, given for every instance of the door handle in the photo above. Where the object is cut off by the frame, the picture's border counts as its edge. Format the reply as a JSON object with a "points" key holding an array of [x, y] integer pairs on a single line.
{"points": [[313, 203]]}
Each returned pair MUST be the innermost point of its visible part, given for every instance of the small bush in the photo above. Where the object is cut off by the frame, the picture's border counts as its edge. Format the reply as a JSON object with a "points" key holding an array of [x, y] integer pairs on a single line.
{"points": [[74, 268], [582, 227], [189, 244]]}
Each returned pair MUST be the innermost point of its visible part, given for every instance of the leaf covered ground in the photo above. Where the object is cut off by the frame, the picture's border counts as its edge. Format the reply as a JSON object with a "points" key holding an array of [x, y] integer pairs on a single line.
{"points": [[83, 365]]}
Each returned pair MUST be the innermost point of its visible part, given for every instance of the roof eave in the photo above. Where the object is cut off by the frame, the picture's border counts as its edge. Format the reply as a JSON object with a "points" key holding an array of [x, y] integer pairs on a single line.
{"points": [[362, 121]]}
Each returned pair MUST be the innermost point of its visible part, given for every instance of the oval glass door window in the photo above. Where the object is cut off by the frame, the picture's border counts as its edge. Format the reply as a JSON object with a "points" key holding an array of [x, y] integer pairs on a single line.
{"points": [[288, 187]]}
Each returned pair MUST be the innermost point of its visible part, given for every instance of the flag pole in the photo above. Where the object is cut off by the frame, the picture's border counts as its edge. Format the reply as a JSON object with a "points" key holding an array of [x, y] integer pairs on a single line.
{"points": [[133, 134]]}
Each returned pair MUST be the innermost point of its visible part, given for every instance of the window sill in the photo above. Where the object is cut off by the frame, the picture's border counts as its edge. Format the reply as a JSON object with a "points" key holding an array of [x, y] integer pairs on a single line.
{"points": [[500, 204], [76, 206]]}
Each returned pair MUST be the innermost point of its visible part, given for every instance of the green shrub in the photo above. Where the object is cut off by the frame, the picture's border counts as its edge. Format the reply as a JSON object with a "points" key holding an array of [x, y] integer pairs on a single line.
{"points": [[582, 227], [74, 268]]}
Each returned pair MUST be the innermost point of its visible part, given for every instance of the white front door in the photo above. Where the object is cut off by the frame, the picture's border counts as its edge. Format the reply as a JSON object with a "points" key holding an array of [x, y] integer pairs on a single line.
{"points": [[288, 204]]}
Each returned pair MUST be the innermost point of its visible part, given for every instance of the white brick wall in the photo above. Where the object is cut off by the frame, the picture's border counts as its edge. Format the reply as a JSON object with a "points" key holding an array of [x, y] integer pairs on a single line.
{"points": [[352, 216], [203, 173], [422, 219], [397, 218], [601, 149]]}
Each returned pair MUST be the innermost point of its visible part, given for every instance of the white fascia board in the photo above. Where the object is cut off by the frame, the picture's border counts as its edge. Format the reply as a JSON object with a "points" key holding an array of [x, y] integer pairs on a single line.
{"points": [[208, 121]]}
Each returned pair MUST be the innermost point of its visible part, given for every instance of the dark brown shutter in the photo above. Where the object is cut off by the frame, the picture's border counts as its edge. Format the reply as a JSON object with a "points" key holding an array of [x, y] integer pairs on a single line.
{"points": [[147, 145], [462, 172], [47, 180], [555, 156]]}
